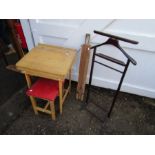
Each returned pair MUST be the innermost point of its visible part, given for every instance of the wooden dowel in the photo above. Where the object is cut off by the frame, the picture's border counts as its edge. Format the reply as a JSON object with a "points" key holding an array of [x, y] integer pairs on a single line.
{"points": [[66, 93], [42, 110], [47, 104]]}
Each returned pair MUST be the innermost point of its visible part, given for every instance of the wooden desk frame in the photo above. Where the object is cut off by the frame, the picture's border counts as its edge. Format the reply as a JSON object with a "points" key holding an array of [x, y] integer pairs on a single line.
{"points": [[63, 60]]}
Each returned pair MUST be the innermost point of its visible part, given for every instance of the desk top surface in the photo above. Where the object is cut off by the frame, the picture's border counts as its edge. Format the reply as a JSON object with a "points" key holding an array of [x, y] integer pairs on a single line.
{"points": [[47, 61]]}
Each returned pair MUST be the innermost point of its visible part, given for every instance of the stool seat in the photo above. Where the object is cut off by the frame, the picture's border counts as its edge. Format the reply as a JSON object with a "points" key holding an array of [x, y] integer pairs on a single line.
{"points": [[44, 88]]}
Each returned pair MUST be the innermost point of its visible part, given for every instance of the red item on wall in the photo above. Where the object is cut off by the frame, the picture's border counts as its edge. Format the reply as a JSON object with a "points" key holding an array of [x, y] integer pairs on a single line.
{"points": [[21, 35]]}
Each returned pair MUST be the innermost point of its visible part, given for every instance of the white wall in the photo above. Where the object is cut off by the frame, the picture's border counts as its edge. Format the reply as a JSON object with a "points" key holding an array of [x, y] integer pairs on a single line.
{"points": [[139, 79]]}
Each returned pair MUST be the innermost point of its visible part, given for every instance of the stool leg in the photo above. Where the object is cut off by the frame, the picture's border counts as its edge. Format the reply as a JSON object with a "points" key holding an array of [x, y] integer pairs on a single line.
{"points": [[52, 110], [34, 104]]}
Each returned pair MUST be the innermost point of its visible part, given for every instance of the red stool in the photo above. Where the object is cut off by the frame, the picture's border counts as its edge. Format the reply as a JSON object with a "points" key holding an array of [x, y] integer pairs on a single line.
{"points": [[44, 89]]}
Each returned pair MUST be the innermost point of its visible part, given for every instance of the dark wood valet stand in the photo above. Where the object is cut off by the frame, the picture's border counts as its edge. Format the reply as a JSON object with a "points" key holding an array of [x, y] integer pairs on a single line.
{"points": [[113, 40]]}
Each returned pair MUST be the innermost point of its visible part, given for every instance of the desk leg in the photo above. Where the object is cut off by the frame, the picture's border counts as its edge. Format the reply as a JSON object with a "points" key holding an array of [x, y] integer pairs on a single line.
{"points": [[70, 77], [34, 104], [60, 95], [28, 80]]}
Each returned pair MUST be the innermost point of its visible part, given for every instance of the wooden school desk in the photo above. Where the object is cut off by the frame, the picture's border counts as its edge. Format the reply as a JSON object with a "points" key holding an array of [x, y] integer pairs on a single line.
{"points": [[51, 62]]}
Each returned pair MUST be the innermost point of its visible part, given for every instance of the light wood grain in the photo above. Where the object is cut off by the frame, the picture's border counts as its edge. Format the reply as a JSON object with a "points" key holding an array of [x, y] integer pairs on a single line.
{"points": [[47, 61], [83, 68], [28, 80], [34, 104], [52, 106]]}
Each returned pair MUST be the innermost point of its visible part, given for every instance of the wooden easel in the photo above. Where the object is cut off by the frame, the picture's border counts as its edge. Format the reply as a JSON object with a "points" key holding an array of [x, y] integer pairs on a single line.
{"points": [[83, 68]]}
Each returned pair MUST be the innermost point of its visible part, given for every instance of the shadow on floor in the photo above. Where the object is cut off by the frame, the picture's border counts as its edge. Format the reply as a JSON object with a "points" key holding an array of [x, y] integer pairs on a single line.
{"points": [[131, 115], [10, 82]]}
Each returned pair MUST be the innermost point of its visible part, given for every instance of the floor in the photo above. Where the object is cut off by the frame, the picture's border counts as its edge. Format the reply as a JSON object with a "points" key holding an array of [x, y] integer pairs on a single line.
{"points": [[10, 81], [131, 115]]}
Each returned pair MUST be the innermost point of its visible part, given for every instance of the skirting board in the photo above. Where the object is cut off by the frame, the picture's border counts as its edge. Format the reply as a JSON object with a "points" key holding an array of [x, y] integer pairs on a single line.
{"points": [[126, 87]]}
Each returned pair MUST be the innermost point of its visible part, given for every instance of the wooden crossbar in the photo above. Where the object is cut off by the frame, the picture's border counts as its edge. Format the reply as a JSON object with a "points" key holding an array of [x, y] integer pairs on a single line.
{"points": [[43, 110], [46, 106]]}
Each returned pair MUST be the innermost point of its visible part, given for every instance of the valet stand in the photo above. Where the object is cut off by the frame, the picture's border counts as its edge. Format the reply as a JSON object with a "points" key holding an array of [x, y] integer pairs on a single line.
{"points": [[113, 40]]}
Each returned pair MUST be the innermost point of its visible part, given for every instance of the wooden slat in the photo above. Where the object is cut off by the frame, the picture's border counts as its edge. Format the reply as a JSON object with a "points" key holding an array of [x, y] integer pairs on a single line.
{"points": [[66, 93], [43, 110], [47, 104], [85, 71], [84, 61], [81, 71]]}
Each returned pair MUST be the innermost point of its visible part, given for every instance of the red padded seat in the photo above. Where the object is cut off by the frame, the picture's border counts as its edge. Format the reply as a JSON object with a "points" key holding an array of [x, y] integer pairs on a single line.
{"points": [[45, 89]]}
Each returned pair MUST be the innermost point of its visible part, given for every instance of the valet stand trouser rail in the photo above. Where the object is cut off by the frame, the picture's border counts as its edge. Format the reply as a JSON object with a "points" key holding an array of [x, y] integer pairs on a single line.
{"points": [[113, 40], [62, 96]]}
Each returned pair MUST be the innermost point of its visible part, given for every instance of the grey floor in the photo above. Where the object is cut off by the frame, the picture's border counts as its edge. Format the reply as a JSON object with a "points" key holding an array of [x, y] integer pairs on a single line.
{"points": [[10, 81], [131, 115]]}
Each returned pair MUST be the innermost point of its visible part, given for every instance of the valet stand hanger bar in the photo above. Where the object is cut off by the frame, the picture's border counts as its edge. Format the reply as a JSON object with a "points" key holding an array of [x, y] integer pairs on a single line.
{"points": [[114, 41], [116, 37]]}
